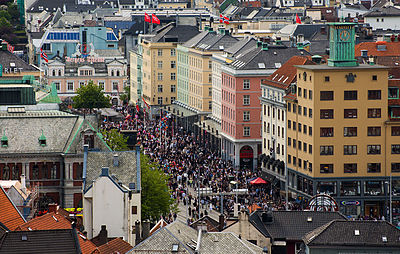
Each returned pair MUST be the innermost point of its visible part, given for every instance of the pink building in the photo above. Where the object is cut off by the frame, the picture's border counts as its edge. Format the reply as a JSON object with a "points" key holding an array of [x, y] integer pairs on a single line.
{"points": [[241, 106]]}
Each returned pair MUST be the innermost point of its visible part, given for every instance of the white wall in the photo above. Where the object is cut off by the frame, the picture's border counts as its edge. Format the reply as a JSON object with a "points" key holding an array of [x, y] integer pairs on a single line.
{"points": [[216, 90], [387, 23]]}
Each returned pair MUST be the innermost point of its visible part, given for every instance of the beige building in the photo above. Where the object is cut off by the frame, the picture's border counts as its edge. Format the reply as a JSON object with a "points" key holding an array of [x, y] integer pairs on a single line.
{"points": [[159, 67], [338, 139]]}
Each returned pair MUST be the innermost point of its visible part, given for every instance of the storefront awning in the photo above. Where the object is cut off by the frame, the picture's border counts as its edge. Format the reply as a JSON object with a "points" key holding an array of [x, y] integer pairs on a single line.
{"points": [[180, 111]]}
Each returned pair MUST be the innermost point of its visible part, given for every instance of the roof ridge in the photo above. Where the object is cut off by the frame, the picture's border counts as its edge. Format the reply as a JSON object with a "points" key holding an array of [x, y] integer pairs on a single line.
{"points": [[318, 231], [15, 207]]}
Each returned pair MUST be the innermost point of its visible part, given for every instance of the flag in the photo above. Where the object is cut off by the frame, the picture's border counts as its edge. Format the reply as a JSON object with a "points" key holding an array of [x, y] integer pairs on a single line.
{"points": [[221, 18], [298, 21], [137, 108], [10, 48], [145, 103], [154, 19], [147, 18], [226, 20], [44, 56]]}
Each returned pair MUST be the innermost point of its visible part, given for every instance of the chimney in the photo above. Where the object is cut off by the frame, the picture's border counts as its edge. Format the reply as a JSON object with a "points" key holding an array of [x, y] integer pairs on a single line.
{"points": [[316, 59], [116, 160], [23, 183], [103, 235], [53, 208], [104, 172], [146, 229], [221, 222], [137, 232], [364, 53], [323, 30]]}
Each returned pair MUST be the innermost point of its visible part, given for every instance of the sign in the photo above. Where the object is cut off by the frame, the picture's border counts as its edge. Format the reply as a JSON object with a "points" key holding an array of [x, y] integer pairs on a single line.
{"points": [[350, 202], [75, 211], [89, 59], [11, 70]]}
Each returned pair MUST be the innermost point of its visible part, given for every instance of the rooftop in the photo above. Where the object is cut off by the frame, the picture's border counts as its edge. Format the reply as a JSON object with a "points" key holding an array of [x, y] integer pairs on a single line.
{"points": [[332, 68], [9, 214]]}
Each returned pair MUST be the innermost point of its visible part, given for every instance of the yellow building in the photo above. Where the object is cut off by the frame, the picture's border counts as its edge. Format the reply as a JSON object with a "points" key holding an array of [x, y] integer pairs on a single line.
{"points": [[159, 68], [338, 140]]}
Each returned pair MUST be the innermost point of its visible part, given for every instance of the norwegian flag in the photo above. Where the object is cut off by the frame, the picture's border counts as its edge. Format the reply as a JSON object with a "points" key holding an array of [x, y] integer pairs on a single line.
{"points": [[137, 108], [10, 48], [44, 56], [145, 103], [226, 20], [221, 18]]}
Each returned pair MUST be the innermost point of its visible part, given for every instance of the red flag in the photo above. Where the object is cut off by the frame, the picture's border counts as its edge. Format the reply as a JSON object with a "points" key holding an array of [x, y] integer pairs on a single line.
{"points": [[154, 19], [226, 20], [147, 18], [221, 18], [137, 108], [145, 103], [298, 21]]}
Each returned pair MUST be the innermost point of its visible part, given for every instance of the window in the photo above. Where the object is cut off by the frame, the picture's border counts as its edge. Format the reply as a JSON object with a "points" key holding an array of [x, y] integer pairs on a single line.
{"points": [[326, 132], [350, 95], [294, 143], [53, 172], [246, 100], [299, 91], [210, 78], [246, 116], [310, 95], [374, 131], [395, 167], [393, 93], [82, 83], [305, 93], [289, 159], [326, 78], [305, 129], [173, 88], [70, 86], [350, 113], [374, 94], [395, 130], [294, 108], [375, 77], [374, 113], [326, 95], [57, 85], [310, 130], [134, 209], [310, 113], [246, 131], [289, 107], [304, 111], [115, 86], [299, 109], [326, 113], [173, 76], [373, 167], [289, 141], [326, 168], [246, 84], [350, 168], [209, 64], [294, 125], [349, 149], [159, 76], [159, 64], [374, 149], [173, 52], [173, 99], [305, 147], [159, 52], [395, 149], [209, 105], [299, 127], [160, 88], [350, 131], [289, 124], [160, 100], [326, 150], [101, 84], [173, 64]]}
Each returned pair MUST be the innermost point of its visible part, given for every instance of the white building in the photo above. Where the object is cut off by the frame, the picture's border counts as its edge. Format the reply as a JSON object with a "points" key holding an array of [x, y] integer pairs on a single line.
{"points": [[384, 18], [112, 193]]}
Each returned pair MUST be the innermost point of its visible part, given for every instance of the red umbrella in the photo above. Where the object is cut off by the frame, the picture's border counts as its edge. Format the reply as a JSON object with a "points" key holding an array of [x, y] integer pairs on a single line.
{"points": [[258, 180]]}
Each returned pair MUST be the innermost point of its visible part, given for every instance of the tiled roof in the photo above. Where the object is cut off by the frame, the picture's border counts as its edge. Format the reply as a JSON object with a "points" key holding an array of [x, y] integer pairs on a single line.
{"points": [[212, 225], [389, 11], [392, 49], [40, 241], [124, 172], [8, 59], [52, 221], [343, 233], [115, 246], [9, 214], [183, 33], [240, 46], [292, 225]]}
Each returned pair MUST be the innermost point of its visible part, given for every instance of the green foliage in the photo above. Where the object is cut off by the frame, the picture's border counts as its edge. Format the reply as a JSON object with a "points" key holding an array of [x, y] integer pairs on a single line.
{"points": [[90, 96], [126, 95], [115, 140], [4, 23], [156, 196], [5, 14]]}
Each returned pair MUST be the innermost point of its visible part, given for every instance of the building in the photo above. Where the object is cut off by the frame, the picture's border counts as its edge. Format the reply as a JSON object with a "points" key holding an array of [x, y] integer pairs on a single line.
{"points": [[383, 18], [18, 194], [69, 75], [10, 216], [273, 118], [112, 186], [178, 237], [340, 236], [160, 64], [194, 91], [351, 152], [241, 79]]}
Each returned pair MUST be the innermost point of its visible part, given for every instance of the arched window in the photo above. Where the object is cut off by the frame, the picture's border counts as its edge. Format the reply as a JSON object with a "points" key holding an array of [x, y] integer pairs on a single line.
{"points": [[59, 73], [54, 72], [112, 72], [6, 173], [118, 73]]}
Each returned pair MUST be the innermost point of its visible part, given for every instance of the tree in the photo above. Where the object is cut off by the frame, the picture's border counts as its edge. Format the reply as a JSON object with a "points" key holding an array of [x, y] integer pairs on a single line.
{"points": [[126, 95], [115, 140], [156, 196], [90, 96]]}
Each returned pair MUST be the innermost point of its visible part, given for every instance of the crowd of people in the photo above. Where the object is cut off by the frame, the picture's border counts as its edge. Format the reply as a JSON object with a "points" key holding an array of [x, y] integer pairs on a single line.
{"points": [[192, 165]]}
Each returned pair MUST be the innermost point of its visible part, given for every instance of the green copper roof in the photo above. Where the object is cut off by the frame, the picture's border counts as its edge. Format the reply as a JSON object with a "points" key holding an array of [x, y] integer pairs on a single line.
{"points": [[42, 139], [341, 45], [4, 137], [52, 97]]}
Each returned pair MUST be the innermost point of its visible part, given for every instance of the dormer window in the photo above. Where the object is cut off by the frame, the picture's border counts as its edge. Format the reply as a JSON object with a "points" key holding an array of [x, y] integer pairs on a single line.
{"points": [[42, 140], [4, 140]]}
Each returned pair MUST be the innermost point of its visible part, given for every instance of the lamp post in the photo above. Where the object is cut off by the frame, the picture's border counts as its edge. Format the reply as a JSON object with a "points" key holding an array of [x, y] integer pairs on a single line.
{"points": [[390, 200]]}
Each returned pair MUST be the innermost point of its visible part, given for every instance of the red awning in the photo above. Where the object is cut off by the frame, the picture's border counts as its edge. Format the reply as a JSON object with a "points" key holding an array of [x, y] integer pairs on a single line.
{"points": [[258, 180]]}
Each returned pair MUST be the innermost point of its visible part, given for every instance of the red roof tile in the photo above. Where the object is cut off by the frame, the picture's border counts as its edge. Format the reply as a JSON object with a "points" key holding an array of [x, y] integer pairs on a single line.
{"points": [[9, 214], [57, 221], [116, 245], [392, 49]]}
